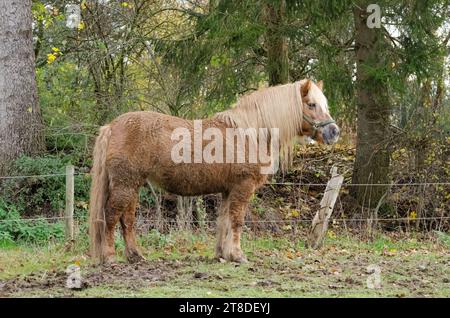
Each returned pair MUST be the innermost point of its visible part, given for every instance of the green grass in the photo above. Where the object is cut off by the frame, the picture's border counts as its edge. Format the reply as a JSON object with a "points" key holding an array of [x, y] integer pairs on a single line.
{"points": [[22, 260], [444, 238], [181, 265]]}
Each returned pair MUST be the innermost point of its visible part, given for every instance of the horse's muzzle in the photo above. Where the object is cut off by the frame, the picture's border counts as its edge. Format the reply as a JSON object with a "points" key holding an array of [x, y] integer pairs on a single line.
{"points": [[330, 134]]}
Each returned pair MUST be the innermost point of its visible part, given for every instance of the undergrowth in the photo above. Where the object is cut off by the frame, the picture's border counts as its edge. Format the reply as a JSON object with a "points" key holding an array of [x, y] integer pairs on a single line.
{"points": [[14, 228]]}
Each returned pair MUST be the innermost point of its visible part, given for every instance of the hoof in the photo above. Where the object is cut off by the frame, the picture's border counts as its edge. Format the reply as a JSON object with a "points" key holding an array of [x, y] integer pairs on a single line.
{"points": [[236, 257], [134, 257], [219, 257], [240, 260], [218, 253], [109, 260]]}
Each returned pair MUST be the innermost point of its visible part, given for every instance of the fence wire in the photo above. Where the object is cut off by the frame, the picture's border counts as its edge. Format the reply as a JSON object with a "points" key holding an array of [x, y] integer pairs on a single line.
{"points": [[151, 221], [291, 221], [267, 184]]}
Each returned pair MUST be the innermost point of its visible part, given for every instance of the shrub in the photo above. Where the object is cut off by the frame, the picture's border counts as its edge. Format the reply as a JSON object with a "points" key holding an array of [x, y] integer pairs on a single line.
{"points": [[13, 228], [43, 195]]}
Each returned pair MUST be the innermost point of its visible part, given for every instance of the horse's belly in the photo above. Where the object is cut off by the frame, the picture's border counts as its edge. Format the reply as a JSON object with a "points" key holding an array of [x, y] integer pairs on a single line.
{"points": [[193, 179]]}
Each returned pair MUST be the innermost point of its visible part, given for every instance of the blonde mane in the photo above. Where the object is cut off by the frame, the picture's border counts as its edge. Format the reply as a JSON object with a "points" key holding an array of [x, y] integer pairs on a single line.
{"points": [[273, 107]]}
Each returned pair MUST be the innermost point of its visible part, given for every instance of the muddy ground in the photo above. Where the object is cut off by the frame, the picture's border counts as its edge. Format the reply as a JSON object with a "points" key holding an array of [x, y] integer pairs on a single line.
{"points": [[184, 267]]}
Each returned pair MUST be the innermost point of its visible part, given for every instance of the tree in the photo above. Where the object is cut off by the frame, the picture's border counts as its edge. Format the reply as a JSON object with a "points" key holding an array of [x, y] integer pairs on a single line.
{"points": [[21, 130], [276, 43], [372, 150]]}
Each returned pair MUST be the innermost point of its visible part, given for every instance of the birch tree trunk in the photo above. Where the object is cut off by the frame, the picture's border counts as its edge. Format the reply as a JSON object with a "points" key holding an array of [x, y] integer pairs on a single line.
{"points": [[20, 119]]}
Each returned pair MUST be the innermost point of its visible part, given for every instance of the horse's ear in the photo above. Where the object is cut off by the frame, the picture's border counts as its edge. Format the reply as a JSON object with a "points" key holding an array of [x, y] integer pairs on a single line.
{"points": [[320, 85], [305, 88]]}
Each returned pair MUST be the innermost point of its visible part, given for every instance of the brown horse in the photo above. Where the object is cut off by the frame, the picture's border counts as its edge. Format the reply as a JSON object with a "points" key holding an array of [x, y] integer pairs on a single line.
{"points": [[139, 146]]}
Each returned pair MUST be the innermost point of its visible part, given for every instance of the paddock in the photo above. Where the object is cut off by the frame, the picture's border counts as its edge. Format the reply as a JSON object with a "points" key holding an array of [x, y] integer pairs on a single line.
{"points": [[182, 265], [356, 259]]}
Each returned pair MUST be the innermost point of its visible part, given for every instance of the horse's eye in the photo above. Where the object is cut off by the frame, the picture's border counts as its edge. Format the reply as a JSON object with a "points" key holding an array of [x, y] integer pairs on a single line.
{"points": [[312, 105]]}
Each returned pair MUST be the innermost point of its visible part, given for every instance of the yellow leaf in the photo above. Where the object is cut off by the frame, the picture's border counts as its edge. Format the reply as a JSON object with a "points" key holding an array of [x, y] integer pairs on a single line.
{"points": [[199, 246], [81, 26], [295, 213], [51, 58], [83, 5], [82, 204]]}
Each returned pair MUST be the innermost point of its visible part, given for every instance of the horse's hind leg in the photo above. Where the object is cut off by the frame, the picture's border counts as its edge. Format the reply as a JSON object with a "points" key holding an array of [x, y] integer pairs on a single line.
{"points": [[238, 200], [127, 221], [113, 211], [120, 198], [111, 219]]}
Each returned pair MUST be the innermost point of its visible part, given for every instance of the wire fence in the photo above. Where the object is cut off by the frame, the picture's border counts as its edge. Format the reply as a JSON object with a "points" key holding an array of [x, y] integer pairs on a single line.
{"points": [[267, 184], [152, 221], [51, 175], [143, 220], [34, 219]]}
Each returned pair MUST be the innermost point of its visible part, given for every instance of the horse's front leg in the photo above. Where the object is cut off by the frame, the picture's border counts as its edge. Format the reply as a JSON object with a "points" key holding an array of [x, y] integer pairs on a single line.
{"points": [[222, 226], [237, 203]]}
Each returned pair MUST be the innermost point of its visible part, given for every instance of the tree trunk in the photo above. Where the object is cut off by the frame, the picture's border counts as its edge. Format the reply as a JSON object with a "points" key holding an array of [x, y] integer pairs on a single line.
{"points": [[20, 119], [276, 43], [372, 149]]}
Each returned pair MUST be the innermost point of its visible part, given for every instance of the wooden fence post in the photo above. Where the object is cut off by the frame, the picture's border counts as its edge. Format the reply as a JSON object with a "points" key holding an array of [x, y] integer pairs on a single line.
{"points": [[320, 222], [70, 188]]}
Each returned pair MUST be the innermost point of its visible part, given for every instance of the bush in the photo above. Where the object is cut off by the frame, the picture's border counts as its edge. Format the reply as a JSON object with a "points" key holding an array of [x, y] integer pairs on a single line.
{"points": [[13, 228], [44, 195]]}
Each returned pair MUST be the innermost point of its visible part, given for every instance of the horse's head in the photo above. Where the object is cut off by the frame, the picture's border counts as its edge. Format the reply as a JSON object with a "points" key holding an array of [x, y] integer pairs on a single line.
{"points": [[317, 121]]}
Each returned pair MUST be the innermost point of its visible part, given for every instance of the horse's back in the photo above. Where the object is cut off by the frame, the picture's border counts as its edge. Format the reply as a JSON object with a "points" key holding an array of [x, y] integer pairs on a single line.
{"points": [[141, 149]]}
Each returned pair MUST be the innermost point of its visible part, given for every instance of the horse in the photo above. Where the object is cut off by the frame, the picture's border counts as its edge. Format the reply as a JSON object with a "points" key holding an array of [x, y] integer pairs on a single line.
{"points": [[138, 147]]}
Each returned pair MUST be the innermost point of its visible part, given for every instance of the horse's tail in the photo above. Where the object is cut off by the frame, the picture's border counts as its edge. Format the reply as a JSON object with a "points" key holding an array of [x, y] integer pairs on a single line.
{"points": [[99, 194]]}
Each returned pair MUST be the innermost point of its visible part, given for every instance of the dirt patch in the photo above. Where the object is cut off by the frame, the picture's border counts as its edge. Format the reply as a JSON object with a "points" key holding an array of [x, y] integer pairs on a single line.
{"points": [[131, 276]]}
